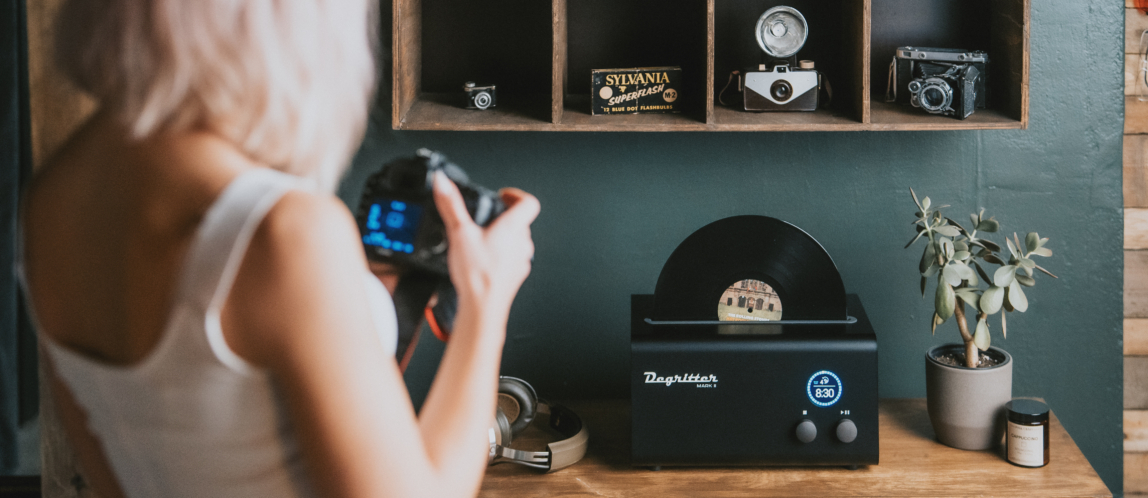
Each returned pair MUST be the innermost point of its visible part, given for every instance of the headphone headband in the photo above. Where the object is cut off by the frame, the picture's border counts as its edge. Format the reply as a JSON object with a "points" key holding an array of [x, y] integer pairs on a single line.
{"points": [[559, 454]]}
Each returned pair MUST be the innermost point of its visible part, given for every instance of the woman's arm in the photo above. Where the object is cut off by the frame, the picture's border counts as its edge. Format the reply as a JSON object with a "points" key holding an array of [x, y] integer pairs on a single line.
{"points": [[299, 309]]}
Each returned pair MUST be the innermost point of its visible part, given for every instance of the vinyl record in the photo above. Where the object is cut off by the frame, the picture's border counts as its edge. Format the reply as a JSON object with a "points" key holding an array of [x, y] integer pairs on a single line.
{"points": [[781, 258]]}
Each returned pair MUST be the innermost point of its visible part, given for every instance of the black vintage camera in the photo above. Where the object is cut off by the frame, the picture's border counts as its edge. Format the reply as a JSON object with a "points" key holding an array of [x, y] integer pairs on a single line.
{"points": [[945, 81], [479, 97], [397, 216]]}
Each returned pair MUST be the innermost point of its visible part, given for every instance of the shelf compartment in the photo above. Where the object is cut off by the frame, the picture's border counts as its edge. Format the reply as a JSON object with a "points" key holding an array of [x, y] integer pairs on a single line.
{"points": [[838, 31], [999, 27], [441, 44], [610, 34]]}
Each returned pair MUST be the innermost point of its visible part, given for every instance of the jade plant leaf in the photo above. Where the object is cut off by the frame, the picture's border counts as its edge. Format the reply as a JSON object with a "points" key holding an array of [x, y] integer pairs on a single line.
{"points": [[948, 231], [990, 225], [981, 336], [946, 300], [992, 299], [1016, 297], [928, 257], [952, 274], [1025, 280], [1032, 241], [1004, 275], [969, 296]]}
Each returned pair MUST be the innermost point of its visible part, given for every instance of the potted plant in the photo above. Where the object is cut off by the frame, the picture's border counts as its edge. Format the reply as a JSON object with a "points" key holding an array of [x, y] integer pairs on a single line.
{"points": [[968, 383]]}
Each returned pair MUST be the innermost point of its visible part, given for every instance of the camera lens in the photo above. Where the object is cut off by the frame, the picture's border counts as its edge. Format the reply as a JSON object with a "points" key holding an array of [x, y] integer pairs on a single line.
{"points": [[781, 90], [932, 98], [482, 100]]}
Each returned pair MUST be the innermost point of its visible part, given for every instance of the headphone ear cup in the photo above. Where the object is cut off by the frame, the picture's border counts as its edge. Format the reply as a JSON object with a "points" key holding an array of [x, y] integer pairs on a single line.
{"points": [[511, 392], [502, 432]]}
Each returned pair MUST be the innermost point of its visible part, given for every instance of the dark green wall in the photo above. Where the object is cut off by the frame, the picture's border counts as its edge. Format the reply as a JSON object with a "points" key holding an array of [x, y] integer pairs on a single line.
{"points": [[614, 205]]}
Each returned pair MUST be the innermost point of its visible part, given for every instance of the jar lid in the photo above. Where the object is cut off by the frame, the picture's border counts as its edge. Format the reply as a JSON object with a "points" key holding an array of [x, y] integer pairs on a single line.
{"points": [[1027, 411]]}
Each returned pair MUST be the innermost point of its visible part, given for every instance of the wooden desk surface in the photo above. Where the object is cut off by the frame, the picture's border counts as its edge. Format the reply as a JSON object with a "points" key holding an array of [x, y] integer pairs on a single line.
{"points": [[913, 463]]}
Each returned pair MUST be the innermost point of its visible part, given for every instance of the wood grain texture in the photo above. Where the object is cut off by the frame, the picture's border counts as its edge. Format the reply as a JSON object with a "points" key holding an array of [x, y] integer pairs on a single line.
{"points": [[57, 105], [1136, 431], [1136, 171], [865, 47], [711, 12], [1135, 474], [559, 62], [1009, 48], [1010, 27], [1131, 71], [1136, 337], [1136, 228], [1136, 382], [1135, 22], [1135, 116], [1136, 284], [912, 464], [406, 43]]}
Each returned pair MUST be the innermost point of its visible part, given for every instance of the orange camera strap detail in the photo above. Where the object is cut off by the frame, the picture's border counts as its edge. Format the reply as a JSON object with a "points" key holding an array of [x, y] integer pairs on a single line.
{"points": [[442, 335]]}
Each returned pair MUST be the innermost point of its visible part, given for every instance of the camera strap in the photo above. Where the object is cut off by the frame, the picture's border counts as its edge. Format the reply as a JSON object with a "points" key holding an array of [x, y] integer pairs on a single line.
{"points": [[412, 293]]}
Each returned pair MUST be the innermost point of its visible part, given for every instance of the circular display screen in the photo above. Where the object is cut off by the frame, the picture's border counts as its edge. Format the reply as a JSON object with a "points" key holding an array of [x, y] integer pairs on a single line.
{"points": [[824, 388], [749, 301]]}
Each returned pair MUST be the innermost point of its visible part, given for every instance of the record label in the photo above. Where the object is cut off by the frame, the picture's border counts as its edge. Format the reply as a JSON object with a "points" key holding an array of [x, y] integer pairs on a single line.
{"points": [[749, 300]]}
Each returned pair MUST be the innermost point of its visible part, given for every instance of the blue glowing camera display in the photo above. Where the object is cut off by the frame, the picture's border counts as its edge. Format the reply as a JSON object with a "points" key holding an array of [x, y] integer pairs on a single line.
{"points": [[824, 388], [392, 224]]}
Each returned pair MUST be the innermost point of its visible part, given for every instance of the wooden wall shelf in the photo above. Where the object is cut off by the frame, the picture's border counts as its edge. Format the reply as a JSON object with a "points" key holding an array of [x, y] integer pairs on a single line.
{"points": [[540, 54]]}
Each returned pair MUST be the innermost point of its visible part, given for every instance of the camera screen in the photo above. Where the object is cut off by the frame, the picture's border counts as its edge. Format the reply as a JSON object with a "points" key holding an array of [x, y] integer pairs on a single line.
{"points": [[392, 224]]}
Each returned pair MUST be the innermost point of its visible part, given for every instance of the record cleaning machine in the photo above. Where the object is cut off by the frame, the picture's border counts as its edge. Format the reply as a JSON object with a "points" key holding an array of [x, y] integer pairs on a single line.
{"points": [[784, 372]]}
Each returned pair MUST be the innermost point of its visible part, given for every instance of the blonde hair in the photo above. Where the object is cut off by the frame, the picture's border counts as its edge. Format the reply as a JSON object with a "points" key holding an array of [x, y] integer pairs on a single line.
{"points": [[288, 81]]}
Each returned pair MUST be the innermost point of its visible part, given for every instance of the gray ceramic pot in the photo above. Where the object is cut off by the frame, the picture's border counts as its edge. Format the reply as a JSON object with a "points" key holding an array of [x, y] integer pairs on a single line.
{"points": [[966, 405]]}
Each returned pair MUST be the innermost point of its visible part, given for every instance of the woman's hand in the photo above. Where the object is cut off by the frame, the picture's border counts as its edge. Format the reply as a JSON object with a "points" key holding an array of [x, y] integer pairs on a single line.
{"points": [[487, 265]]}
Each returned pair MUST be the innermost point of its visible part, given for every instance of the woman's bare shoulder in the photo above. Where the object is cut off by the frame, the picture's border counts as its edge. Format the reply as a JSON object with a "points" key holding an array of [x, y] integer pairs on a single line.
{"points": [[300, 279]]}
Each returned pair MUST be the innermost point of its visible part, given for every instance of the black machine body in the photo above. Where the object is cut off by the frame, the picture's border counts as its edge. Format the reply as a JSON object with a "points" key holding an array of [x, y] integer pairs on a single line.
{"points": [[945, 81], [398, 219], [753, 393], [750, 352]]}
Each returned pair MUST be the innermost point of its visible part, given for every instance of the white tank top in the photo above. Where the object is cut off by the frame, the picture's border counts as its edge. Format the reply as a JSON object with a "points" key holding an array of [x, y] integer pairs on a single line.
{"points": [[193, 418]]}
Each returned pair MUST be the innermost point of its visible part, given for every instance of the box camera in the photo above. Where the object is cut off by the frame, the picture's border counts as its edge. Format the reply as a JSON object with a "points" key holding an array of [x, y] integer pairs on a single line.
{"points": [[945, 81], [782, 89], [781, 32], [397, 216], [479, 97]]}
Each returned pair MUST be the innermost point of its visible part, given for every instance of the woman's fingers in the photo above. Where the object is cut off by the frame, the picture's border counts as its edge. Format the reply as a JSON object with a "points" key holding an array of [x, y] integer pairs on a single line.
{"points": [[521, 207], [449, 202]]}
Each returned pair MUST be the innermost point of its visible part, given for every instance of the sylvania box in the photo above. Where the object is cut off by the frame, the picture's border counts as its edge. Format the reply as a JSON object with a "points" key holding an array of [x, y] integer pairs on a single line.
{"points": [[639, 90]]}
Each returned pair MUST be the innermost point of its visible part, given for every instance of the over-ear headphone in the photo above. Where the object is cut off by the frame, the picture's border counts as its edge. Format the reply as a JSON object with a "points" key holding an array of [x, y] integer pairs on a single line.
{"points": [[518, 404]]}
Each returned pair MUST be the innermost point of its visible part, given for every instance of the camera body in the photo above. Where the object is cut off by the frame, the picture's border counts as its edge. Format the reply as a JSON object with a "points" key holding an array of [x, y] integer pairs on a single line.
{"points": [[480, 97], [781, 88], [397, 217], [945, 81]]}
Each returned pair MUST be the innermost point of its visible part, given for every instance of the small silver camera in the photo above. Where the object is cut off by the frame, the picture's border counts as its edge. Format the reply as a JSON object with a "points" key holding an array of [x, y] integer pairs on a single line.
{"points": [[479, 97]]}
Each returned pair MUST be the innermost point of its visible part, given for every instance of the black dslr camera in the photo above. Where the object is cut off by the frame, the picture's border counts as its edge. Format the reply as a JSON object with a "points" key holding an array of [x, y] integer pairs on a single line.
{"points": [[945, 81], [398, 219]]}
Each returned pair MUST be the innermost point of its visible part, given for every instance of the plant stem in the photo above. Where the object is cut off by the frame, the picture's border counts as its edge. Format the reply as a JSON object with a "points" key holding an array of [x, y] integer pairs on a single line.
{"points": [[972, 355]]}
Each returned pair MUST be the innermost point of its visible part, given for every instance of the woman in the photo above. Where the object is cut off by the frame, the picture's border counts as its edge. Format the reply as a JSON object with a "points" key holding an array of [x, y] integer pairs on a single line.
{"points": [[201, 295]]}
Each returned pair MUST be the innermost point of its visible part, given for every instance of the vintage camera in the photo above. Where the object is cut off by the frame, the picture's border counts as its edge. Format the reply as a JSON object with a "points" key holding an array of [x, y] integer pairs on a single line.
{"points": [[945, 81], [781, 31], [397, 216], [479, 97]]}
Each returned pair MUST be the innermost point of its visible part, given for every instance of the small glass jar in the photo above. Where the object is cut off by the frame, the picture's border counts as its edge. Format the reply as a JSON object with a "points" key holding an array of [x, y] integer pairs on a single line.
{"points": [[1027, 437]]}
